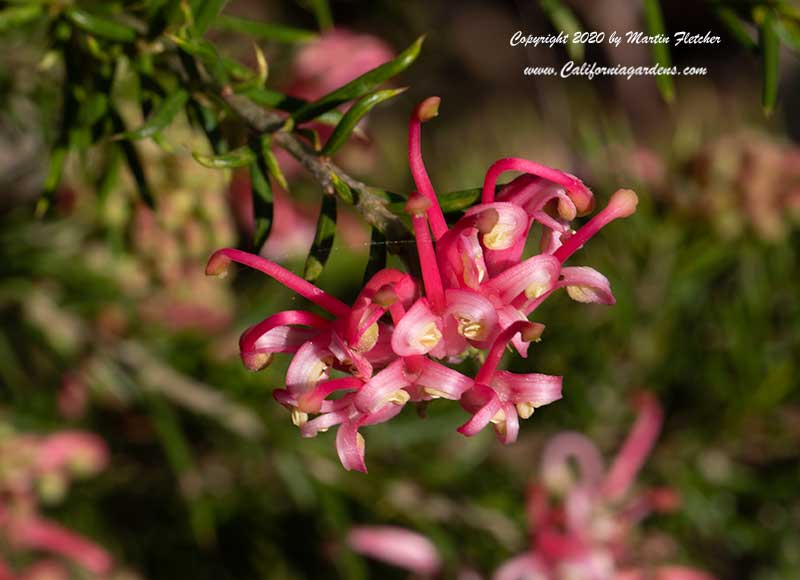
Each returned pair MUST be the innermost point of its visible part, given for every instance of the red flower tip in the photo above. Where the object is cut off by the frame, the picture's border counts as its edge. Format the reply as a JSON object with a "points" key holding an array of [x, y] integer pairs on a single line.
{"points": [[417, 205], [427, 109], [532, 332], [218, 264], [256, 361], [385, 297], [623, 203]]}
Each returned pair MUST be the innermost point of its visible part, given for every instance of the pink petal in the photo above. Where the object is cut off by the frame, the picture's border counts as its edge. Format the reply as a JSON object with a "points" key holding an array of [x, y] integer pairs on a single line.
{"points": [[508, 429], [511, 226], [277, 333], [506, 316], [475, 315], [380, 389], [523, 567], [309, 366], [555, 461], [77, 450], [534, 388], [586, 285], [484, 404], [350, 447], [396, 546], [440, 381], [636, 448], [418, 332], [40, 534], [534, 277], [325, 422]]}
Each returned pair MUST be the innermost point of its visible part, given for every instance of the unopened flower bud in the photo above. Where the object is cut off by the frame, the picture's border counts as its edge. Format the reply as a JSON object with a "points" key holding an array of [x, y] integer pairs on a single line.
{"points": [[256, 361], [417, 205], [428, 109]]}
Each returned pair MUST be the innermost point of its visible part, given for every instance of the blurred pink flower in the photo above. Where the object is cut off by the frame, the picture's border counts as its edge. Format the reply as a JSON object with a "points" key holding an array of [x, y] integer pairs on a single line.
{"points": [[396, 546], [585, 535], [336, 58], [34, 465]]}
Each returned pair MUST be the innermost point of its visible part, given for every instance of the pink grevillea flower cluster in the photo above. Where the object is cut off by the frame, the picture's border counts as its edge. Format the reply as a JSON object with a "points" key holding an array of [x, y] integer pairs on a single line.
{"points": [[34, 467], [582, 523], [476, 296]]}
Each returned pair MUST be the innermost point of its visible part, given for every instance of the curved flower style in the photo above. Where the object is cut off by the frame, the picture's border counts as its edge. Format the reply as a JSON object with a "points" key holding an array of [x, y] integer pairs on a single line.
{"points": [[31, 466], [476, 294]]}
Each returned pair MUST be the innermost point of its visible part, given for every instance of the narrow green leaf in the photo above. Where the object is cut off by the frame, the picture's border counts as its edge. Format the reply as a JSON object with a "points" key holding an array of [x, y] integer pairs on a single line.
{"points": [[455, 201], [132, 158], [276, 100], [353, 116], [323, 239], [342, 190], [736, 27], [101, 26], [231, 160], [205, 11], [789, 31], [360, 86], [263, 30], [770, 59], [271, 162], [262, 200], [17, 16], [53, 179], [564, 19], [160, 118], [322, 11], [377, 254], [654, 24]]}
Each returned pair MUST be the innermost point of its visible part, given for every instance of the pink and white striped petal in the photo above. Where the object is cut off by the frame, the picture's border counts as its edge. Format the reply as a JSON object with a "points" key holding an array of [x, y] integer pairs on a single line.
{"points": [[533, 278], [384, 388], [474, 314], [418, 332], [350, 447], [484, 404], [510, 226], [439, 381], [309, 366], [585, 284], [535, 389]]}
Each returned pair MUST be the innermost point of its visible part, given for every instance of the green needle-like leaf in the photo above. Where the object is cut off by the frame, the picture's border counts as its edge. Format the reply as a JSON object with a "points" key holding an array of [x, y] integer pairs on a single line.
{"points": [[160, 118], [263, 30], [360, 86], [237, 158], [323, 239], [353, 116], [654, 24], [101, 26], [565, 20], [770, 59]]}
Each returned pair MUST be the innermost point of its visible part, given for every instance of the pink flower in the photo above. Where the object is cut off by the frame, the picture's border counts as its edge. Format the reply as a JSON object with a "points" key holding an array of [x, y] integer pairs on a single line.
{"points": [[476, 293], [586, 534], [396, 546]]}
